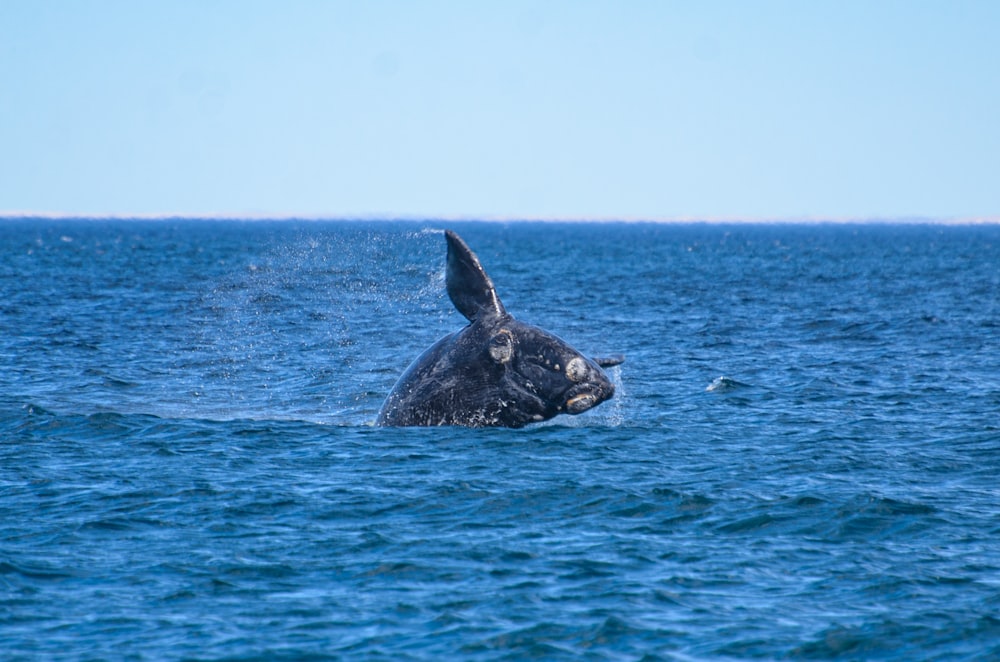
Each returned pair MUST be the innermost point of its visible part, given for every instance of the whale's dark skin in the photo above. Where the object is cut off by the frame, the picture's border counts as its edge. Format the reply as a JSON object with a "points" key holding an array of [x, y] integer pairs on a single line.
{"points": [[495, 372]]}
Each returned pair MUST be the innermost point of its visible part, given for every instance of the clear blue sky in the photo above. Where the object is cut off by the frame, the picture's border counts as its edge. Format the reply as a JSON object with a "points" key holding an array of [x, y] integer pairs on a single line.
{"points": [[652, 109]]}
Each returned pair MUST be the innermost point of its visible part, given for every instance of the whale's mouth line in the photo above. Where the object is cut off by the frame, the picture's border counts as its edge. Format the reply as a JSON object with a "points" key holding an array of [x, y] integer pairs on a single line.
{"points": [[587, 396], [580, 403]]}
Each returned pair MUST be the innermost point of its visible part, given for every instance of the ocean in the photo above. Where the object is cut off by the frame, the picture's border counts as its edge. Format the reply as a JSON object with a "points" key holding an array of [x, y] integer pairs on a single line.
{"points": [[801, 461]]}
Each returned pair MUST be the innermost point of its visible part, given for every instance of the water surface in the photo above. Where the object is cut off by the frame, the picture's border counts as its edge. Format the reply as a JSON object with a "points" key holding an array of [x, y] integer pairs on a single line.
{"points": [[801, 461]]}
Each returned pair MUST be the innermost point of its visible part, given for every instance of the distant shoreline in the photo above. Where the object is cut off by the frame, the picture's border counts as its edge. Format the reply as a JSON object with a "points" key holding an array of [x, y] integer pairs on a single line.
{"points": [[369, 218]]}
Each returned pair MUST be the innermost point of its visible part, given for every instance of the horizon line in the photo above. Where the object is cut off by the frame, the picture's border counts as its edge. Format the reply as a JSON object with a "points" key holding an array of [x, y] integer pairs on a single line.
{"points": [[490, 218]]}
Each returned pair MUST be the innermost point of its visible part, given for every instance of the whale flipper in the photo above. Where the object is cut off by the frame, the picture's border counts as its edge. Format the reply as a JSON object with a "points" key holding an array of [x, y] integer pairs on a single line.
{"points": [[608, 361], [469, 288]]}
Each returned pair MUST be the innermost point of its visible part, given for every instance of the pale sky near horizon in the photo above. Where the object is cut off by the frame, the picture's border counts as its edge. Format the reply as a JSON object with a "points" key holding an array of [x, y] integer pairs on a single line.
{"points": [[753, 109]]}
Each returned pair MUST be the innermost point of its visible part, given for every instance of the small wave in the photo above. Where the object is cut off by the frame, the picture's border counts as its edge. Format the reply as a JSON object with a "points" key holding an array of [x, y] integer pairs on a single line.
{"points": [[31, 409], [723, 384], [37, 572]]}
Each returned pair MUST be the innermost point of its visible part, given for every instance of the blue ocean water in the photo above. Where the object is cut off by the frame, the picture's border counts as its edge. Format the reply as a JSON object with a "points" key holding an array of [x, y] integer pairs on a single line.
{"points": [[802, 460]]}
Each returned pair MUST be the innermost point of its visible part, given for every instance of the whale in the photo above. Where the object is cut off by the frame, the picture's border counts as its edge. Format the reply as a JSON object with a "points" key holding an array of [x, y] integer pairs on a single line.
{"points": [[496, 371]]}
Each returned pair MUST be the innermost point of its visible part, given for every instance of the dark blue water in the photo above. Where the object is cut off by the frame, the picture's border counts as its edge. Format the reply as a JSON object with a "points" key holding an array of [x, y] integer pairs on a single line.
{"points": [[802, 461]]}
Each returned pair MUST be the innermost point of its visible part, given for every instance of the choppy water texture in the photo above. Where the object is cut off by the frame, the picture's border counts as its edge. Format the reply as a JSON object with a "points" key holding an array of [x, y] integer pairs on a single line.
{"points": [[802, 460]]}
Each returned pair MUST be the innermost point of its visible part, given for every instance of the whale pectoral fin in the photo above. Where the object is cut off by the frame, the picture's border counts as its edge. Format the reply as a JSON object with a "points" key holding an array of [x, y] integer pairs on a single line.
{"points": [[609, 361], [469, 288]]}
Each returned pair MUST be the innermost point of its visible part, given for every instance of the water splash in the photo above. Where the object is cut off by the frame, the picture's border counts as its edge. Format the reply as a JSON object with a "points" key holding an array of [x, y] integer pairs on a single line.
{"points": [[293, 324]]}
